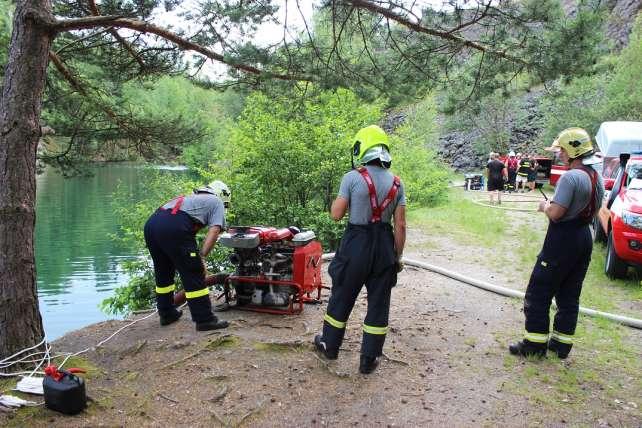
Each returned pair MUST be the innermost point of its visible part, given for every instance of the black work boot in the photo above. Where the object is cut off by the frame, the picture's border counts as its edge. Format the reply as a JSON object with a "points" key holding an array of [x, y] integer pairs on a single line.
{"points": [[169, 317], [561, 349], [321, 347], [527, 348], [368, 364], [214, 324]]}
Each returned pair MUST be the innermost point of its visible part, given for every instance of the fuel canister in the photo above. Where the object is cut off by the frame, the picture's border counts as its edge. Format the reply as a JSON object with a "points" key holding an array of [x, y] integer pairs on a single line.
{"points": [[66, 395]]}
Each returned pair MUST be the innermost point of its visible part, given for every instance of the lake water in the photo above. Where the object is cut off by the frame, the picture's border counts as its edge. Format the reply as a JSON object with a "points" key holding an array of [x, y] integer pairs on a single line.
{"points": [[77, 261]]}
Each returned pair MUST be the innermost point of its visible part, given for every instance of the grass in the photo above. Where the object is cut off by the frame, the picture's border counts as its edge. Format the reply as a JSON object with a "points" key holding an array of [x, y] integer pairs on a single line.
{"points": [[462, 220], [605, 365]]}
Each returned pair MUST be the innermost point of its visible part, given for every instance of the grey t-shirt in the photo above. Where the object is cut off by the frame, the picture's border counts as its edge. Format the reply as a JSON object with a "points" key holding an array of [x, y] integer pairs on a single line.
{"points": [[573, 192], [205, 208], [355, 190]]}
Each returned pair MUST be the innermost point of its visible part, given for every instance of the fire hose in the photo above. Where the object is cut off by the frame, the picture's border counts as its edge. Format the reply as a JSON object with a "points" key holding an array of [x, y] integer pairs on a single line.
{"points": [[509, 292], [504, 291]]}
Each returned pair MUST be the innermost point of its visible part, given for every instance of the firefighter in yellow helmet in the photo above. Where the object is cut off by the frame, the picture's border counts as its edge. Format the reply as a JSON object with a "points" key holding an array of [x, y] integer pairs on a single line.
{"points": [[370, 250], [170, 238], [562, 264]]}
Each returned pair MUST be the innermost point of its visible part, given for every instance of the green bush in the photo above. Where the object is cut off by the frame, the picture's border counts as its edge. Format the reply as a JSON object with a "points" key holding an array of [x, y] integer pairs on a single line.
{"points": [[286, 156], [424, 176], [284, 162]]}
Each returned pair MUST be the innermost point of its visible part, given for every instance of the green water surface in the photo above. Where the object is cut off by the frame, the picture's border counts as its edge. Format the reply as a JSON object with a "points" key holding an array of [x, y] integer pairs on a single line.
{"points": [[77, 261]]}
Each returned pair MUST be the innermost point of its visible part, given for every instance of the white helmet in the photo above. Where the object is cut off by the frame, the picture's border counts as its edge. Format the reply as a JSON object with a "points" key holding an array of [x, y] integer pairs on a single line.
{"points": [[217, 188], [377, 152]]}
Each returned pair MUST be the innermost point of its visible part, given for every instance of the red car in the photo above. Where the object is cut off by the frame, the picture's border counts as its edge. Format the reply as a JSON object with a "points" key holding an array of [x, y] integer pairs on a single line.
{"points": [[619, 220]]}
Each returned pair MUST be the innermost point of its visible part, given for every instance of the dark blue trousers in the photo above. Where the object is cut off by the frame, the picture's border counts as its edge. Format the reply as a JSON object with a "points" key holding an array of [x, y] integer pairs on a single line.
{"points": [[559, 272], [366, 256], [171, 242]]}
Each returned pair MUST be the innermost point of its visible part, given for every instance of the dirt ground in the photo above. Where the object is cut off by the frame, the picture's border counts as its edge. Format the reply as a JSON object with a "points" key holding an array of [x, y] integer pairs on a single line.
{"points": [[445, 364]]}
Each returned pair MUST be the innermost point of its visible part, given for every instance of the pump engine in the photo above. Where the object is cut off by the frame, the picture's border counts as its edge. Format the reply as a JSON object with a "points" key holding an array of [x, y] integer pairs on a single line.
{"points": [[276, 270]]}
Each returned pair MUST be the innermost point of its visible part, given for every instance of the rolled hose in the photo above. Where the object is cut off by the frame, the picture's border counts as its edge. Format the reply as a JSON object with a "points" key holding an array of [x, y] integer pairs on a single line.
{"points": [[509, 292]]}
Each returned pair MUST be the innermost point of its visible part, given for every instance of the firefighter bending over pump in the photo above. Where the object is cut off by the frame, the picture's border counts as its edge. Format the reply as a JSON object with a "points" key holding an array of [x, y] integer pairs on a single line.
{"points": [[370, 252], [170, 235], [562, 264]]}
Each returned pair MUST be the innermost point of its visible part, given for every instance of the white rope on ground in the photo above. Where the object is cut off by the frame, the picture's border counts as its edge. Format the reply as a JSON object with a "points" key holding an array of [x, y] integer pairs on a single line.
{"points": [[23, 351], [509, 292], [482, 204], [102, 342], [7, 362]]}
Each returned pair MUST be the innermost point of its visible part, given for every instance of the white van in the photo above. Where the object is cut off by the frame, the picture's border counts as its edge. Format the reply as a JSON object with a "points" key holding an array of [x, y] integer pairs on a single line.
{"points": [[615, 138]]}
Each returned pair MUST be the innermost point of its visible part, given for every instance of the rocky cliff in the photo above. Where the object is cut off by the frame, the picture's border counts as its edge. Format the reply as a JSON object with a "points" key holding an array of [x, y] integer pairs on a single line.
{"points": [[456, 148]]}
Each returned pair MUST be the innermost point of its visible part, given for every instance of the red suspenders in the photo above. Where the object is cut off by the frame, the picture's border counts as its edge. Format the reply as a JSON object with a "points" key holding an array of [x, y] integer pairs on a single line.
{"points": [[377, 210], [177, 206], [590, 209]]}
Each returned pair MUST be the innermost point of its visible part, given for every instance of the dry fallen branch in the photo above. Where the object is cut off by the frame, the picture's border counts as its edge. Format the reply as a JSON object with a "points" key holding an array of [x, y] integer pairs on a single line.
{"points": [[273, 326], [330, 369], [210, 346], [139, 347], [394, 360], [258, 407], [219, 419], [143, 311], [220, 395], [168, 398]]}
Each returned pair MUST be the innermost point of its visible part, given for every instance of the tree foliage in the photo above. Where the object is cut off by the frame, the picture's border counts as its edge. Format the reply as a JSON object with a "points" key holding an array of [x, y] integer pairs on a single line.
{"points": [[96, 48], [612, 94], [284, 162], [286, 156]]}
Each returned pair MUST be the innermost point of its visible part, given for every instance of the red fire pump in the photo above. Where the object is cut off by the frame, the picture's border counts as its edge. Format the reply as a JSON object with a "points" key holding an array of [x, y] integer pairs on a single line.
{"points": [[277, 270]]}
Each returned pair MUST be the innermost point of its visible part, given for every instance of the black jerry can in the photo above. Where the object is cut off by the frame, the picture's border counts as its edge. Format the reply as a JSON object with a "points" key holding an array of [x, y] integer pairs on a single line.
{"points": [[67, 395]]}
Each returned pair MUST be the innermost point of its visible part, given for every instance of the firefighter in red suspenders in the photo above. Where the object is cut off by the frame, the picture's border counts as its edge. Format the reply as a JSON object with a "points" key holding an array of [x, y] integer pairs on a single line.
{"points": [[170, 237], [370, 250], [566, 253]]}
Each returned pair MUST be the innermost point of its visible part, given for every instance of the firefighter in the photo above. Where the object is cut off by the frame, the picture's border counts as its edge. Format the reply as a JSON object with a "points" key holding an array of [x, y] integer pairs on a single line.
{"points": [[170, 237], [370, 250], [512, 163], [562, 264], [523, 170]]}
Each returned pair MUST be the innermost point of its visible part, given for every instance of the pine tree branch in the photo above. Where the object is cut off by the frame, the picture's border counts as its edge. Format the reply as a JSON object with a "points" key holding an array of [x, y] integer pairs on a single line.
{"points": [[128, 47], [375, 8], [184, 44], [78, 86]]}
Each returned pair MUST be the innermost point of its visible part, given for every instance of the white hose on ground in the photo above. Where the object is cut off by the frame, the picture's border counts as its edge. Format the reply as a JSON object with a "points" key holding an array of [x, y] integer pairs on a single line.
{"points": [[503, 207], [509, 292]]}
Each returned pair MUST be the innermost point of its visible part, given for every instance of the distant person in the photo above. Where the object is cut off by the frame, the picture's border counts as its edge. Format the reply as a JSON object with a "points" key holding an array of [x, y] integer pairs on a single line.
{"points": [[170, 235], [523, 169], [496, 175], [512, 163], [562, 264], [532, 173]]}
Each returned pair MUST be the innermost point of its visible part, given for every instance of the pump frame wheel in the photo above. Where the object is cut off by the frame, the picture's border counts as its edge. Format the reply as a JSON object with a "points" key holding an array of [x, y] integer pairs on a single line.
{"points": [[614, 267], [598, 231]]}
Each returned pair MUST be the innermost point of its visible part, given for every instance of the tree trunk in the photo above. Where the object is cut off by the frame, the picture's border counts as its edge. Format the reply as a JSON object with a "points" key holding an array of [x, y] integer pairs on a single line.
{"points": [[23, 85]]}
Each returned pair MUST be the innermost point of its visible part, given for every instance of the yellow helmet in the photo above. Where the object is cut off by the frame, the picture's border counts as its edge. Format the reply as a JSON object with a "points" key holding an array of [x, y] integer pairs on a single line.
{"points": [[576, 142], [367, 138]]}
